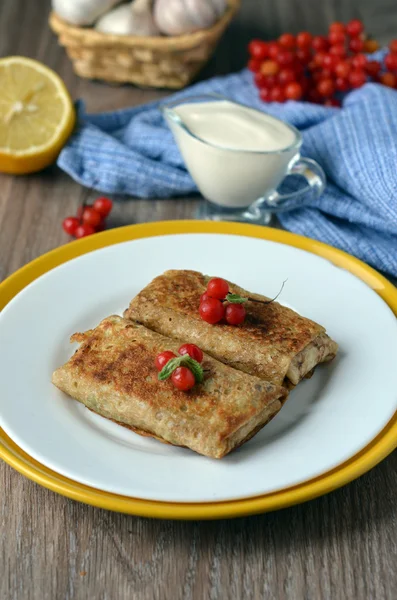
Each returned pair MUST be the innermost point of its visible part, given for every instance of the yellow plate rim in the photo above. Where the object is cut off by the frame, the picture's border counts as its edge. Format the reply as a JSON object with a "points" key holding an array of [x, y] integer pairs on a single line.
{"points": [[384, 443]]}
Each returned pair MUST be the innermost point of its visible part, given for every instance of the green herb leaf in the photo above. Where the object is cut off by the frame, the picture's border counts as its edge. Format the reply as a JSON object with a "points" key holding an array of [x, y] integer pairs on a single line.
{"points": [[170, 367], [236, 299], [195, 368], [178, 361]]}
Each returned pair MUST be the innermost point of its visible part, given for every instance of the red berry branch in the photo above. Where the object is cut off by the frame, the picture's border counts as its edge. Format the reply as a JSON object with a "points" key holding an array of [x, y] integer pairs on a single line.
{"points": [[317, 68], [90, 218]]}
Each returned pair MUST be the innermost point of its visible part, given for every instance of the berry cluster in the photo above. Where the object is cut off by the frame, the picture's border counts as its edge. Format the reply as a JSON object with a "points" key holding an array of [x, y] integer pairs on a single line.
{"points": [[212, 310], [316, 68], [89, 219], [184, 370]]}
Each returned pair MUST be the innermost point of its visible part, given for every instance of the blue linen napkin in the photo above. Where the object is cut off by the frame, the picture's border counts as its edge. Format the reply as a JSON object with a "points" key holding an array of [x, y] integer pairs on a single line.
{"points": [[132, 152]]}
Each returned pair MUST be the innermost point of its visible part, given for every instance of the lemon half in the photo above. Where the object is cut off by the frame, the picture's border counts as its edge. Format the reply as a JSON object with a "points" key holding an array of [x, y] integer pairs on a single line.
{"points": [[36, 115]]}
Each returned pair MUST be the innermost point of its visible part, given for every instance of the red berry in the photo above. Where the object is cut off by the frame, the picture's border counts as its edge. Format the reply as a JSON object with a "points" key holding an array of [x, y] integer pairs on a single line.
{"points": [[319, 58], [211, 310], [235, 314], [342, 84], [217, 288], [393, 46], [388, 79], [271, 81], [298, 68], [83, 230], [258, 49], [336, 26], [254, 65], [332, 102], [391, 62], [304, 39], [277, 94], [354, 28], [304, 55], [293, 91], [336, 37], [183, 379], [325, 74], [269, 67], [320, 43], [103, 206], [357, 78], [371, 46], [265, 94], [326, 87], [91, 217], [359, 61], [203, 297], [287, 40], [330, 61], [70, 225], [285, 58], [286, 75], [338, 50], [260, 80], [342, 69], [373, 67], [192, 350], [163, 358], [273, 49], [356, 45]]}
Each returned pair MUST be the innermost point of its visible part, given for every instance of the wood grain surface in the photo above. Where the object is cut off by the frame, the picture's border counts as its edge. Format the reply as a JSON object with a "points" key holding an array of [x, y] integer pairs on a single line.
{"points": [[341, 546]]}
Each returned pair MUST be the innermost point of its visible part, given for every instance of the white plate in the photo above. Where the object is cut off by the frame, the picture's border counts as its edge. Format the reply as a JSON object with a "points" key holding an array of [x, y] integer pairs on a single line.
{"points": [[325, 421]]}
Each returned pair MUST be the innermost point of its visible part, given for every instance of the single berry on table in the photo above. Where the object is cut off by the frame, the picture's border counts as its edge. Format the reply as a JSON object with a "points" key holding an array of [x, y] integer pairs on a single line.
{"points": [[391, 62], [83, 230], [359, 61], [70, 225], [91, 216], [183, 379], [103, 205], [326, 87], [356, 45], [286, 75], [336, 37], [293, 91], [273, 50], [277, 94], [320, 43], [336, 26], [373, 67], [354, 28], [304, 39], [287, 40], [235, 314], [258, 49], [163, 358], [211, 310], [217, 288], [388, 79], [357, 78], [342, 84], [269, 67], [193, 351], [338, 50]]}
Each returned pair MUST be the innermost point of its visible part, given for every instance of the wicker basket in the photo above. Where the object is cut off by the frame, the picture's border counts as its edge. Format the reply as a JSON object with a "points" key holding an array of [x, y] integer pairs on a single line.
{"points": [[161, 62]]}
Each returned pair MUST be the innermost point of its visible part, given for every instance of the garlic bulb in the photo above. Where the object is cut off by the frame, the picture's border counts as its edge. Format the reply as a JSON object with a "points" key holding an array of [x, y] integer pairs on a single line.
{"points": [[134, 18], [82, 12], [175, 17]]}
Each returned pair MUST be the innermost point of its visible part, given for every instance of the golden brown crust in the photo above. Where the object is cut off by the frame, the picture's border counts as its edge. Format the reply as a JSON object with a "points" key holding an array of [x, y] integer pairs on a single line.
{"points": [[264, 345], [113, 374]]}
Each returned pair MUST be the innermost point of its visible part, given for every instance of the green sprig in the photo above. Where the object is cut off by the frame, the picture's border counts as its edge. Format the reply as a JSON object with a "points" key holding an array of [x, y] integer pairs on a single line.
{"points": [[178, 361]]}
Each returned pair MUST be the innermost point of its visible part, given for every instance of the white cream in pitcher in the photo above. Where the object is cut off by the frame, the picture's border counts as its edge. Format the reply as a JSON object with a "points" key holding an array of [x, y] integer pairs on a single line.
{"points": [[235, 154]]}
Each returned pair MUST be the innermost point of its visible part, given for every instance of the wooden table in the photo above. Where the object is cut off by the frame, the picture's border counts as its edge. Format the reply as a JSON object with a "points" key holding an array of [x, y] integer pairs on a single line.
{"points": [[341, 546]]}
